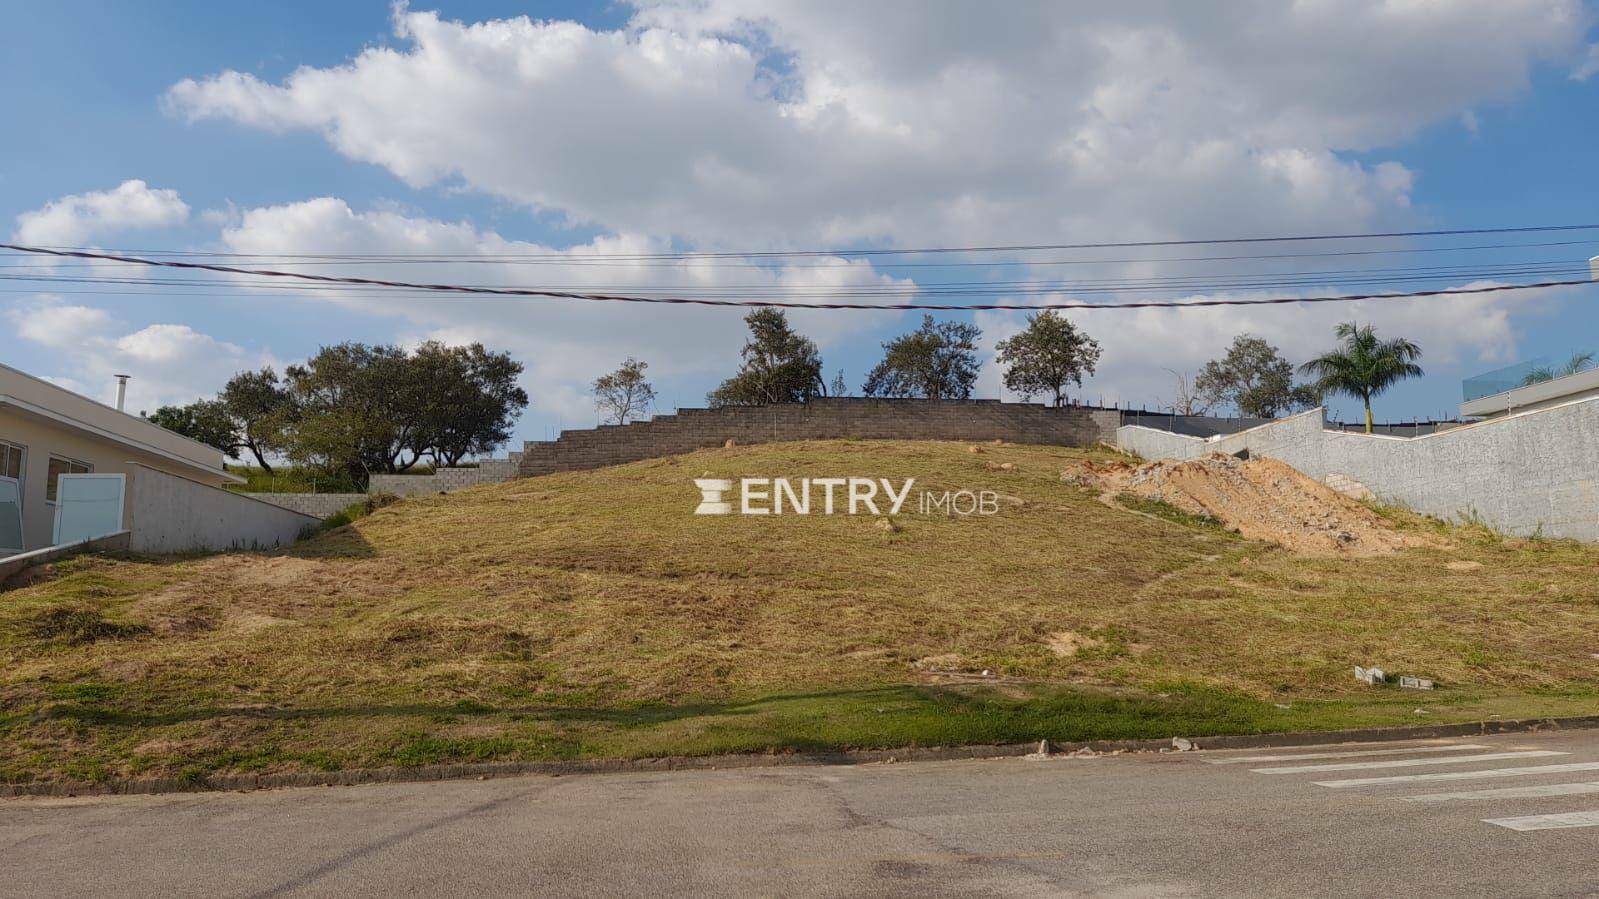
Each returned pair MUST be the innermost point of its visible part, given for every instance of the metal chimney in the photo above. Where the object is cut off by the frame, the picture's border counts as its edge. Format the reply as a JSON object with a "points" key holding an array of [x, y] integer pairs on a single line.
{"points": [[122, 390]]}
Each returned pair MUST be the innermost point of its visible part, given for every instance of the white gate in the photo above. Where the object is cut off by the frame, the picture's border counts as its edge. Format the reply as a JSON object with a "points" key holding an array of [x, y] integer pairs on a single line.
{"points": [[88, 506]]}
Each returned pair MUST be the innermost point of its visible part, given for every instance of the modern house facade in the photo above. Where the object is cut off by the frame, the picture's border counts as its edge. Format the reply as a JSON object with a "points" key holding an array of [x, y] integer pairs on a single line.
{"points": [[1533, 384], [1526, 392], [47, 431]]}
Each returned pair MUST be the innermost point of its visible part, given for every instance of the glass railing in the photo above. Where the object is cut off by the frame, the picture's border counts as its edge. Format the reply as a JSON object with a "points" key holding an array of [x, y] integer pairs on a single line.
{"points": [[1526, 373]]}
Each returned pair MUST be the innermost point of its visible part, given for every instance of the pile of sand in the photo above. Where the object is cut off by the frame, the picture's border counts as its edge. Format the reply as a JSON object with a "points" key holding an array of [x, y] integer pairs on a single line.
{"points": [[1261, 499]]}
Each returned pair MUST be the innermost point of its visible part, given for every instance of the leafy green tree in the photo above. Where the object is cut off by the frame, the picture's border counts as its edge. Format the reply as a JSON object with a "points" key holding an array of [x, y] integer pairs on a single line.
{"points": [[260, 409], [1364, 365], [468, 399], [1256, 379], [780, 365], [204, 420], [1047, 357], [624, 393], [362, 410], [839, 387], [937, 361], [356, 410]]}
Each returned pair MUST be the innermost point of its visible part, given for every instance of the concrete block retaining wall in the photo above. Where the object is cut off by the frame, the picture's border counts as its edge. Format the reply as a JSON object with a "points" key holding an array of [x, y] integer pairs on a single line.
{"points": [[820, 419], [443, 480], [316, 505], [1533, 472]]}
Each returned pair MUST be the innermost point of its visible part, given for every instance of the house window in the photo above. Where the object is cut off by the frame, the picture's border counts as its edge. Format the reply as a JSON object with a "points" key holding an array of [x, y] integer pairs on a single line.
{"points": [[10, 461], [60, 466]]}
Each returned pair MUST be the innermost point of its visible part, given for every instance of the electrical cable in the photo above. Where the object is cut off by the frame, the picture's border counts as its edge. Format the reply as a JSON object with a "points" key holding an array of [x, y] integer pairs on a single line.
{"points": [[702, 301]]}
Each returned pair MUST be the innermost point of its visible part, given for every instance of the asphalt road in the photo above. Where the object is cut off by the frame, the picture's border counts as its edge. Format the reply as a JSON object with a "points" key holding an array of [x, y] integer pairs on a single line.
{"points": [[1300, 822]]}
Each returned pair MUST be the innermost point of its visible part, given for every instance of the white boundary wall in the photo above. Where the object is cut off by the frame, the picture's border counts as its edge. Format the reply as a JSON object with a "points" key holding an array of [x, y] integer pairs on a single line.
{"points": [[167, 513], [1529, 473]]}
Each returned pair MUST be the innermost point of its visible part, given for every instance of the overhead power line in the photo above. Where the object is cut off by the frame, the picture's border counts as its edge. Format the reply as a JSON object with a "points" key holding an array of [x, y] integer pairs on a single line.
{"points": [[1011, 248], [1392, 280], [703, 301]]}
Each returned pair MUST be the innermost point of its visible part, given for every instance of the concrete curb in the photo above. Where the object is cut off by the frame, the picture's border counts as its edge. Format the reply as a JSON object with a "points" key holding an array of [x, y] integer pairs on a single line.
{"points": [[484, 770]]}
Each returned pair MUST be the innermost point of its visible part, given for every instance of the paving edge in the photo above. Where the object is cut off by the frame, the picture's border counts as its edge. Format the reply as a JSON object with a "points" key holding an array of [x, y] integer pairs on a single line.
{"points": [[484, 770]]}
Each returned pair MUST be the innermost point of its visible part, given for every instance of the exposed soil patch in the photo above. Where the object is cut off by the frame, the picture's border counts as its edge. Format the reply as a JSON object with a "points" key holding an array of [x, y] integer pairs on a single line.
{"points": [[1067, 643], [272, 571], [1261, 499]]}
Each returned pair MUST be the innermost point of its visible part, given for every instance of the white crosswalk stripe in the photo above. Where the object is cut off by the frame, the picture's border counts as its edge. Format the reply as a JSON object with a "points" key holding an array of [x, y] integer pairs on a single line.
{"points": [[1410, 763], [1539, 792], [1328, 759], [1528, 771], [1548, 822], [1343, 754]]}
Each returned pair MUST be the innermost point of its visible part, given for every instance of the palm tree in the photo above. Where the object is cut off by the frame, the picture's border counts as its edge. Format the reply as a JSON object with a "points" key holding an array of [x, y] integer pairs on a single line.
{"points": [[1364, 365]]}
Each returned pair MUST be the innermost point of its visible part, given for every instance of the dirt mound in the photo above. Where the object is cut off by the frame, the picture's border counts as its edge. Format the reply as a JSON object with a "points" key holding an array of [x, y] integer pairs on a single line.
{"points": [[1262, 499]]}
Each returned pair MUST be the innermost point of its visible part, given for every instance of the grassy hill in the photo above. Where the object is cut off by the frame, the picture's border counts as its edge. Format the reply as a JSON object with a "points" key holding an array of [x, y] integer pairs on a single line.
{"points": [[591, 614]]}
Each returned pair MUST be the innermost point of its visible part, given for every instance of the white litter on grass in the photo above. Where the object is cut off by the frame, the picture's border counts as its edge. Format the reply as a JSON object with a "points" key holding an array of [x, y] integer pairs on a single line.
{"points": [[1372, 676]]}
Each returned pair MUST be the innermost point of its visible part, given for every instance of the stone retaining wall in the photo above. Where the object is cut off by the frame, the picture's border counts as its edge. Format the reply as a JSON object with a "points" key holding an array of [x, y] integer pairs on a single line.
{"points": [[820, 419]]}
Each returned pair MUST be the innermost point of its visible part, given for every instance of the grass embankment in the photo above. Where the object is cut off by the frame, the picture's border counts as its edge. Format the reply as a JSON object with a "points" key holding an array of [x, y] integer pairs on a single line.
{"points": [[591, 614]]}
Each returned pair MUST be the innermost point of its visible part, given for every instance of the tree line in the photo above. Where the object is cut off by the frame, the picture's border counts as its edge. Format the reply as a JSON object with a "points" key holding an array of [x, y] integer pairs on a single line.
{"points": [[354, 410], [939, 361]]}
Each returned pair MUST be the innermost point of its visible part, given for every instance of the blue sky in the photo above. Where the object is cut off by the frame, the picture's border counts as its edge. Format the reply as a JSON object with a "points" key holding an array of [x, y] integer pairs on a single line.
{"points": [[724, 125]]}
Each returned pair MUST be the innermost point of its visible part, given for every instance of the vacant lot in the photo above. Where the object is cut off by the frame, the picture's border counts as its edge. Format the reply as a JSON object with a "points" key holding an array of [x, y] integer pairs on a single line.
{"points": [[591, 614]]}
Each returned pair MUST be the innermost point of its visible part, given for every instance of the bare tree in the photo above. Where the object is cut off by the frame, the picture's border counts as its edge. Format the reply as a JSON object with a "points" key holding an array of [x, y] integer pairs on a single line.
{"points": [[1186, 398], [624, 394]]}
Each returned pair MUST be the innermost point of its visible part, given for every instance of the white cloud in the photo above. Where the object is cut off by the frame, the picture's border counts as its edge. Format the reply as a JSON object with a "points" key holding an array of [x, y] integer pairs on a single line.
{"points": [[564, 344], [1588, 66], [797, 123], [49, 322], [917, 122], [78, 219], [1457, 335], [169, 363]]}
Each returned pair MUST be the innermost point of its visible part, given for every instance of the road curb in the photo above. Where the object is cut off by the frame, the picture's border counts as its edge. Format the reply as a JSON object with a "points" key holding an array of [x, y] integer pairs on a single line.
{"points": [[484, 770]]}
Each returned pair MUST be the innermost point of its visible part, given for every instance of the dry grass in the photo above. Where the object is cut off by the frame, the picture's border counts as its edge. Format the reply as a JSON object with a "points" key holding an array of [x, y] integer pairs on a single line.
{"points": [[591, 613]]}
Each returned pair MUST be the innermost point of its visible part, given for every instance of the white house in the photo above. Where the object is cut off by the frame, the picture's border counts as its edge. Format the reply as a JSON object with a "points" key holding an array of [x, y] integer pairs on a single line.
{"points": [[47, 431]]}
